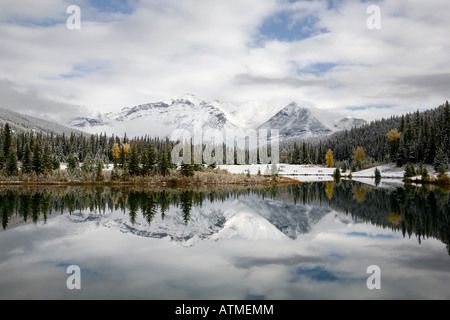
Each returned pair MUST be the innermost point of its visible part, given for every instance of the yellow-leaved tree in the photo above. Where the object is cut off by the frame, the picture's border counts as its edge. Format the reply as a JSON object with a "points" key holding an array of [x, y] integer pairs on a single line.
{"points": [[359, 154], [115, 153], [329, 158]]}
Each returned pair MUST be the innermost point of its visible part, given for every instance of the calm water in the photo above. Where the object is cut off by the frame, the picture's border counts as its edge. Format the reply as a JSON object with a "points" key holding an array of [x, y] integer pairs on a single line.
{"points": [[309, 241]]}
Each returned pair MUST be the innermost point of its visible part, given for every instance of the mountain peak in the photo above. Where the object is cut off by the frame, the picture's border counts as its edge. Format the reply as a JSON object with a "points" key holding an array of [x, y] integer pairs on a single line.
{"points": [[188, 97], [298, 119]]}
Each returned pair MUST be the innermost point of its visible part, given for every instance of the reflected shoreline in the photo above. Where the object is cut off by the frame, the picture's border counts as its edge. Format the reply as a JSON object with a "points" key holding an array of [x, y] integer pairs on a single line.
{"points": [[423, 212]]}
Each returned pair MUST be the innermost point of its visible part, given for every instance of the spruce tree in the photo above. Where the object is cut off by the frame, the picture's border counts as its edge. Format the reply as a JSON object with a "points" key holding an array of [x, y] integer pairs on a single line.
{"points": [[46, 162], [133, 165], [377, 174], [440, 161], [186, 170], [36, 160], [7, 139], [163, 163], [88, 164], [2, 158], [72, 164], [99, 170], [11, 162], [26, 160]]}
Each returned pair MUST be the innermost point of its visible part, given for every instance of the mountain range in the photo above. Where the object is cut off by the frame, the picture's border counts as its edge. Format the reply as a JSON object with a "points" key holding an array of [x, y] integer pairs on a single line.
{"points": [[296, 120]]}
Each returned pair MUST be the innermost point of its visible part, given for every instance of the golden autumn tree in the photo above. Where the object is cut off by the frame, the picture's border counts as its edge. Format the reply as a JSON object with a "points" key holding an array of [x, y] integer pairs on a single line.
{"points": [[359, 154], [329, 158], [393, 135], [115, 154], [394, 138], [329, 188]]}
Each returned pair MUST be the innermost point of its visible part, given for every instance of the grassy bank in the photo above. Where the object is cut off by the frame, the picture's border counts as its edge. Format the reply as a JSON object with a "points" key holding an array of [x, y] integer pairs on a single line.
{"points": [[173, 179]]}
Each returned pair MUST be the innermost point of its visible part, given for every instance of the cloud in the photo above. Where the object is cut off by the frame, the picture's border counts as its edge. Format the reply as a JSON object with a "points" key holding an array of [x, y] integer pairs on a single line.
{"points": [[248, 262], [276, 51], [428, 84], [247, 79], [33, 103]]}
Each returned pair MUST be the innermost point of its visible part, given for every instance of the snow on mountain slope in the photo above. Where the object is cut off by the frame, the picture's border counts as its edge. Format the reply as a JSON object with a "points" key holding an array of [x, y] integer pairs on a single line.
{"points": [[21, 122], [296, 120], [248, 217], [161, 118]]}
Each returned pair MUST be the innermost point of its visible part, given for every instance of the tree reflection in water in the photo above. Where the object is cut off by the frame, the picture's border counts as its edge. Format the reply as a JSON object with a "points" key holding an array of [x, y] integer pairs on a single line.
{"points": [[422, 212]]}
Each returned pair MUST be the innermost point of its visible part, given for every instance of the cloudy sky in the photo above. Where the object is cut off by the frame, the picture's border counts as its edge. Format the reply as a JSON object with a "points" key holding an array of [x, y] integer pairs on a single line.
{"points": [[125, 53]]}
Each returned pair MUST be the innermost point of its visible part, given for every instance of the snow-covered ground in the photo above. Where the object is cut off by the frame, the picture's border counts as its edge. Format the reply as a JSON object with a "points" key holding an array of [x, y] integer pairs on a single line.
{"points": [[283, 169], [386, 170], [392, 176]]}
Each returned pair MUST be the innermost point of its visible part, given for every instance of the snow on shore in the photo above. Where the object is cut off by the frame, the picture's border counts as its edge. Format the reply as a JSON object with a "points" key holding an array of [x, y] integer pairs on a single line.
{"points": [[387, 171]]}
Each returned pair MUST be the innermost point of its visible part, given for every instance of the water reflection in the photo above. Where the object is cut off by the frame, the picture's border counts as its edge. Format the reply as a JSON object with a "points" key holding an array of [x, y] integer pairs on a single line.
{"points": [[307, 241], [422, 212]]}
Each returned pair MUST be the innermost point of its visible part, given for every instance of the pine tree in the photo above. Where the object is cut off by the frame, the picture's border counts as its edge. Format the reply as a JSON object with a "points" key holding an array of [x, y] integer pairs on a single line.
{"points": [[72, 164], [36, 160], [46, 163], [2, 158], [401, 156], [337, 174], [88, 164], [145, 167], [26, 160], [123, 158], [186, 170], [152, 157], [377, 174], [11, 162], [409, 171], [99, 170], [7, 139], [440, 162], [133, 165], [163, 163]]}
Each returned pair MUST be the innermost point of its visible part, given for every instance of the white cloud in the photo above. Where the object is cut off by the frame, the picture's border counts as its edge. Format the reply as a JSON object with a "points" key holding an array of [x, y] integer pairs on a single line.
{"points": [[166, 48]]}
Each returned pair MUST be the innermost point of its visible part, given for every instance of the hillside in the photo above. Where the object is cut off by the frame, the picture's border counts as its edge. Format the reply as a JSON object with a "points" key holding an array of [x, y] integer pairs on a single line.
{"points": [[21, 122]]}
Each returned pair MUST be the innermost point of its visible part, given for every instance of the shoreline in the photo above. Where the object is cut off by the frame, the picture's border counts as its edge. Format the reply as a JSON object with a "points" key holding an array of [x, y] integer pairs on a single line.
{"points": [[158, 181]]}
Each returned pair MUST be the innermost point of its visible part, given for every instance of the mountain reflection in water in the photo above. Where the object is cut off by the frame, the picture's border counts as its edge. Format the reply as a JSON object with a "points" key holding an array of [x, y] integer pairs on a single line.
{"points": [[291, 209]]}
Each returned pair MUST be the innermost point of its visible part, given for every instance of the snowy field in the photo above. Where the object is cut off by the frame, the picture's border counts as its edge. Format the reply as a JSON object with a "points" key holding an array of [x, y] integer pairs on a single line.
{"points": [[391, 175], [387, 171]]}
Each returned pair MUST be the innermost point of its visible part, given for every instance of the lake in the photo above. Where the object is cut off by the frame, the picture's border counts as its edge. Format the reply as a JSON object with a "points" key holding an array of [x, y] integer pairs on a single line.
{"points": [[315, 240]]}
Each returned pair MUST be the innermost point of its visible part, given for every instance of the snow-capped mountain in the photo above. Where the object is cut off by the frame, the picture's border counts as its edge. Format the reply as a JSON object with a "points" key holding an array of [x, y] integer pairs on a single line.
{"points": [[296, 120], [159, 118]]}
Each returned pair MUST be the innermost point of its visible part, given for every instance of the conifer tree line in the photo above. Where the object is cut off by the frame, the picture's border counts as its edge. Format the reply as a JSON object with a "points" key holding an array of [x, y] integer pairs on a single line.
{"points": [[417, 137], [43, 153], [38, 153]]}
